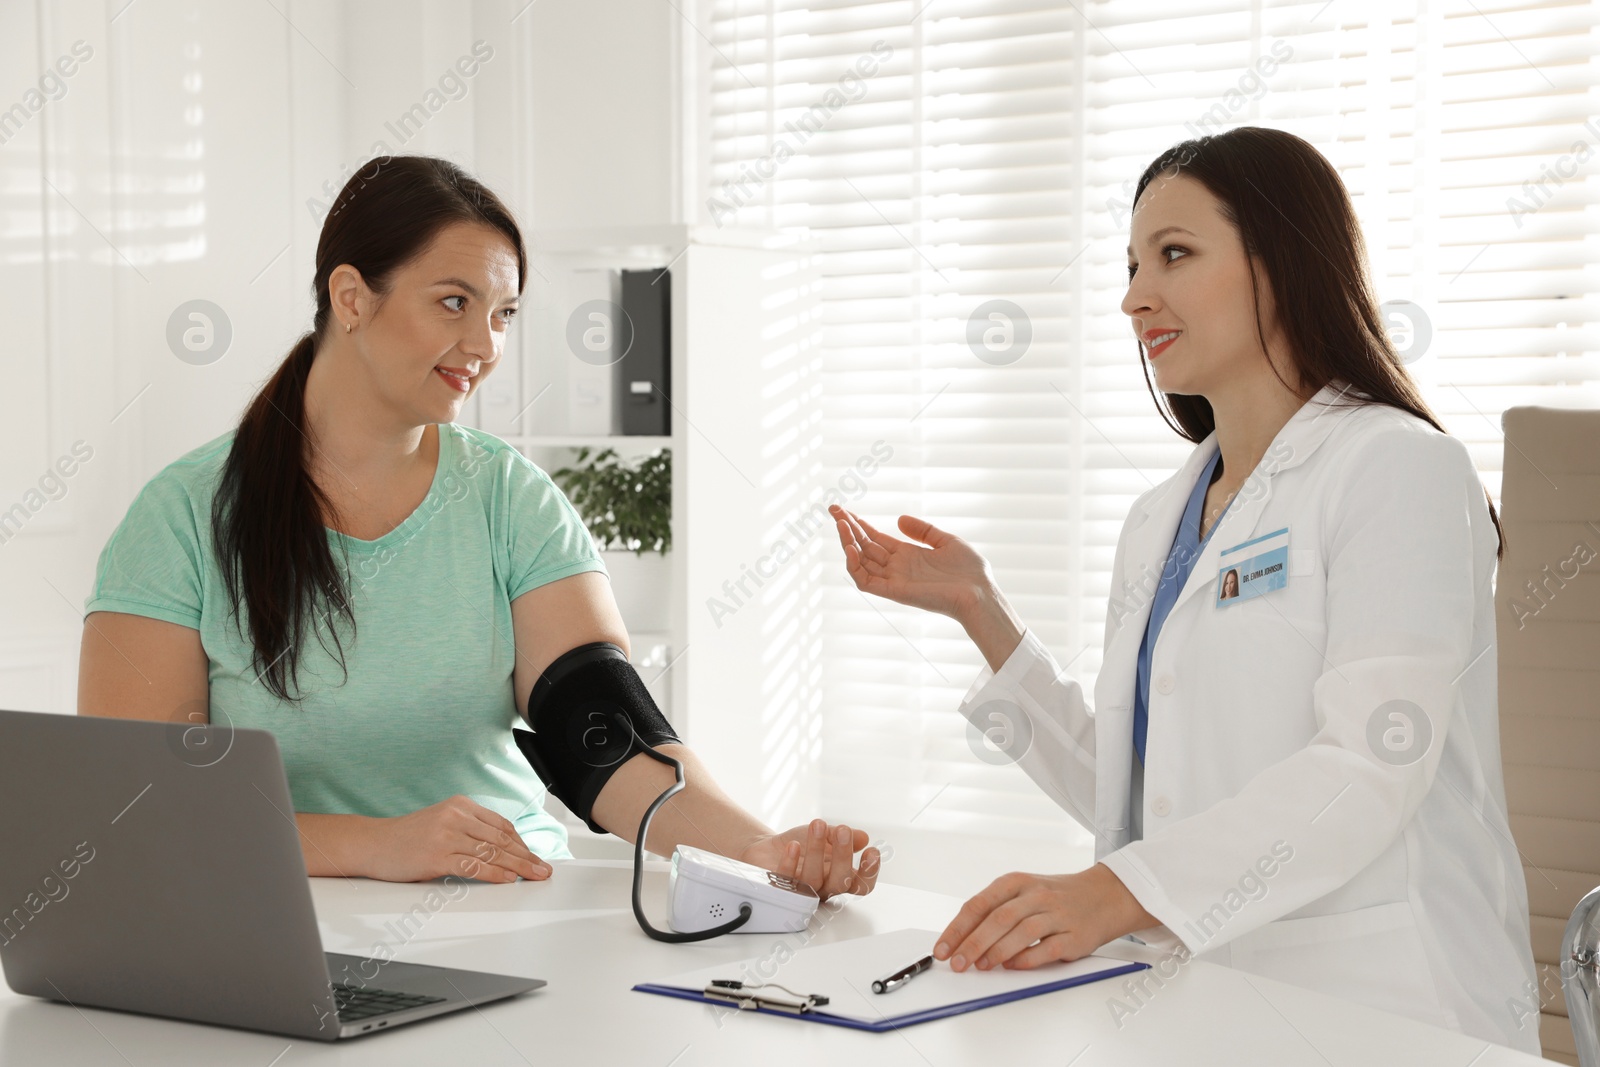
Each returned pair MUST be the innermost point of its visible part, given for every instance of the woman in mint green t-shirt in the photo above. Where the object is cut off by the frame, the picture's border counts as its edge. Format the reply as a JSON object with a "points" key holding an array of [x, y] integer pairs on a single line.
{"points": [[380, 587]]}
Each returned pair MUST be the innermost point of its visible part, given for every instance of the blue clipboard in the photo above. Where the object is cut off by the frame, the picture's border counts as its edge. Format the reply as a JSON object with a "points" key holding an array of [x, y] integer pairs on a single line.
{"points": [[843, 970]]}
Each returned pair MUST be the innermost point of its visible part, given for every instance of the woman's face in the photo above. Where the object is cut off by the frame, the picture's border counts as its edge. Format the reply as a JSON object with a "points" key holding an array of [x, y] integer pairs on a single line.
{"points": [[447, 309], [1189, 276]]}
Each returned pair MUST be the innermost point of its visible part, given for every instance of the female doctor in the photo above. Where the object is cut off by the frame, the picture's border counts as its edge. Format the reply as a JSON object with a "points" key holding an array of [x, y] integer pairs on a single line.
{"points": [[1301, 779]]}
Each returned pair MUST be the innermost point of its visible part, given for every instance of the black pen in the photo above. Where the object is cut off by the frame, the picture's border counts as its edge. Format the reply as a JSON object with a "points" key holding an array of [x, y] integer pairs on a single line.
{"points": [[889, 983]]}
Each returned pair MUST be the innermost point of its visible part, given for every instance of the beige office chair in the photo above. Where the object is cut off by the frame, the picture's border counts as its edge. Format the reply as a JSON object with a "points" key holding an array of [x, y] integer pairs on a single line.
{"points": [[1547, 603]]}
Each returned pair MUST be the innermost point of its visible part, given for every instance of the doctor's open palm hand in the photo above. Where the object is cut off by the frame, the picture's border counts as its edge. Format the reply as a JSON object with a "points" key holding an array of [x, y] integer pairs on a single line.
{"points": [[943, 574]]}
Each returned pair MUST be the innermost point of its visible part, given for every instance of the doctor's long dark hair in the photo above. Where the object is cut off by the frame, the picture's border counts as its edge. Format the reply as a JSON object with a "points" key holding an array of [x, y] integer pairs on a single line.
{"points": [[1294, 216], [269, 516]]}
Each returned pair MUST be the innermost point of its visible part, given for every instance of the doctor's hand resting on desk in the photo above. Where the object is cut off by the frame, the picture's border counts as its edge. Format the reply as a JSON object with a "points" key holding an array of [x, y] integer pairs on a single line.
{"points": [[1020, 920]]}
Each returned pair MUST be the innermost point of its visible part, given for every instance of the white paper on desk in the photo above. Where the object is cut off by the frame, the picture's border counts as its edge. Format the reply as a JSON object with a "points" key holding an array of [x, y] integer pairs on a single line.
{"points": [[844, 971]]}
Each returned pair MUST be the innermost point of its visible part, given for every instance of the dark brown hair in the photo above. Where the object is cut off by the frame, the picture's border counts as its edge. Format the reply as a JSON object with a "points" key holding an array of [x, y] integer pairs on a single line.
{"points": [[269, 516], [1294, 216]]}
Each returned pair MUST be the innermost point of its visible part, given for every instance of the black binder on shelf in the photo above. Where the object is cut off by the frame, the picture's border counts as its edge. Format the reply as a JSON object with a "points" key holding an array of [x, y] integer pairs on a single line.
{"points": [[644, 384]]}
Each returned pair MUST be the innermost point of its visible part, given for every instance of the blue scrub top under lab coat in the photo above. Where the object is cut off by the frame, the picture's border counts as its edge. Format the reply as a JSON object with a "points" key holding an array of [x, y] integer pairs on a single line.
{"points": [[1186, 548]]}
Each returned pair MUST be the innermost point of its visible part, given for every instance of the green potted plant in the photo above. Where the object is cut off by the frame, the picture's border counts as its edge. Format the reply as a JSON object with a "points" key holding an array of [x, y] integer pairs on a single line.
{"points": [[627, 508]]}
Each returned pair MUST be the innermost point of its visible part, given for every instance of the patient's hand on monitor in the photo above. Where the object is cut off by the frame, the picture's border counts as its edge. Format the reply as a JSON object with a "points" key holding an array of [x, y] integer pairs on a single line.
{"points": [[820, 855]]}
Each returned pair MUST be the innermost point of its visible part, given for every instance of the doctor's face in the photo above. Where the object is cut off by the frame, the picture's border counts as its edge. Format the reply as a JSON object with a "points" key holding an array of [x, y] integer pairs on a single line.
{"points": [[1189, 276]]}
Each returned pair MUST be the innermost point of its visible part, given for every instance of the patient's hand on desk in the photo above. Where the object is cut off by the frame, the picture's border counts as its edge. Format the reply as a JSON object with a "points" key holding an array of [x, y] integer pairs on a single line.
{"points": [[457, 836], [819, 855], [1023, 920]]}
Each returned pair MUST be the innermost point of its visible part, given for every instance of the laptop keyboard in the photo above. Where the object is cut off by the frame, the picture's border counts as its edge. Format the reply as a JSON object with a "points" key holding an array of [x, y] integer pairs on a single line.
{"points": [[361, 1002]]}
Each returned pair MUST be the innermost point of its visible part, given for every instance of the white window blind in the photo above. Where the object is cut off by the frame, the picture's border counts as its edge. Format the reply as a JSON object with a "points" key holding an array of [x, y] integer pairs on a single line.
{"points": [[991, 154]]}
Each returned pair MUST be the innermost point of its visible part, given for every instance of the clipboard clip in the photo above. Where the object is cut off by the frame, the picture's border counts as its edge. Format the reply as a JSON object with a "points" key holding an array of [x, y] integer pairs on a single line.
{"points": [[744, 996]]}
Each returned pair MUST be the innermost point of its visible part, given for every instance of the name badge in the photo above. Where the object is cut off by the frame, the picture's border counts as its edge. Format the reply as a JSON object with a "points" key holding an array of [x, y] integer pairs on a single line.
{"points": [[1254, 567]]}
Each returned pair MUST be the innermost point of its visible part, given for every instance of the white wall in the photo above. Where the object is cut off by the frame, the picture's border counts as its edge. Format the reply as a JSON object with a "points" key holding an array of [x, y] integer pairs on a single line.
{"points": [[604, 128], [40, 273]]}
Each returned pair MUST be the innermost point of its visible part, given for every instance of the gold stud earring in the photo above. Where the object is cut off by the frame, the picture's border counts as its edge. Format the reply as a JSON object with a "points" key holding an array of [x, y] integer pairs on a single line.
{"points": [[347, 327]]}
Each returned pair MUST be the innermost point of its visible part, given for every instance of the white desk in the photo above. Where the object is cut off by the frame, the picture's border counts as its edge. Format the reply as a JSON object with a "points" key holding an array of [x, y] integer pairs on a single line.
{"points": [[577, 931]]}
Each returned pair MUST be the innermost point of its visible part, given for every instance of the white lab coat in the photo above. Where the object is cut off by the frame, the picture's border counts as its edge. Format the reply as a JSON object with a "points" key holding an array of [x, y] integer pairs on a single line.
{"points": [[1402, 888]]}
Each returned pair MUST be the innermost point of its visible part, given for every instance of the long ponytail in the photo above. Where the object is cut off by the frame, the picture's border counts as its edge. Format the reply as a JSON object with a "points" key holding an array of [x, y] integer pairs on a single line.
{"points": [[280, 531]]}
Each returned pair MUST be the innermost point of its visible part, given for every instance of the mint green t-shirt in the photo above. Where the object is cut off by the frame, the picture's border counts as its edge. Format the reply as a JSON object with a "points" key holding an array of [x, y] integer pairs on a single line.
{"points": [[428, 707]]}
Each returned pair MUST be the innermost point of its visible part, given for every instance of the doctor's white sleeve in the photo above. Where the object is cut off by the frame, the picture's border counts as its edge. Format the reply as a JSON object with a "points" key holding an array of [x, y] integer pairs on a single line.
{"points": [[1400, 609], [1036, 714]]}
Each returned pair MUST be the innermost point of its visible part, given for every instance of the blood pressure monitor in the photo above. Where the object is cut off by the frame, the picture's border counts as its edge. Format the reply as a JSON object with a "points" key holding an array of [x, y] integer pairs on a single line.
{"points": [[706, 890]]}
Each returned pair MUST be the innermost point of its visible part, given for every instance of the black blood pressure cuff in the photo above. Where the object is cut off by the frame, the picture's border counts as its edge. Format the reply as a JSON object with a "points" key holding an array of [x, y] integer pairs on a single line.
{"points": [[590, 712]]}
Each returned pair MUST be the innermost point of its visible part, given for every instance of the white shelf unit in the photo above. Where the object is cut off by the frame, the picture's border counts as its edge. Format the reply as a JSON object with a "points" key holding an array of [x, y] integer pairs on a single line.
{"points": [[744, 385]]}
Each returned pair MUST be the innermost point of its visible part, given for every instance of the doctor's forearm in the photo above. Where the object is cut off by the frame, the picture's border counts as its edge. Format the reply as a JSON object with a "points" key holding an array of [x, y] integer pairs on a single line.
{"points": [[701, 815], [992, 625]]}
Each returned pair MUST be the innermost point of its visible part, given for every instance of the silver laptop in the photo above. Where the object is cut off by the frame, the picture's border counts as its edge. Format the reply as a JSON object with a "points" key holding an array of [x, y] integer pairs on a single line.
{"points": [[156, 867]]}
